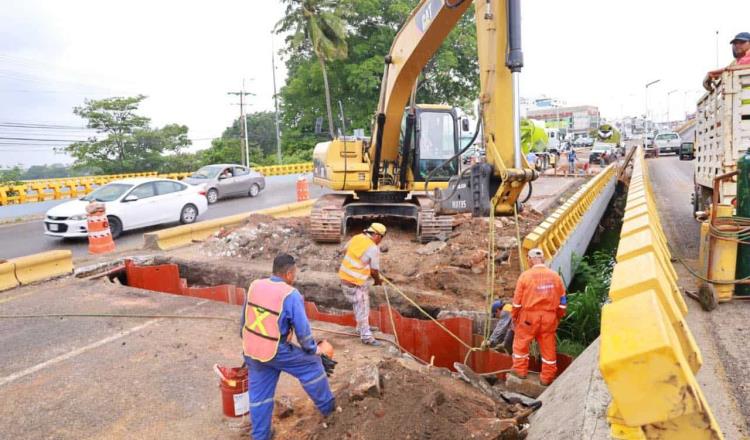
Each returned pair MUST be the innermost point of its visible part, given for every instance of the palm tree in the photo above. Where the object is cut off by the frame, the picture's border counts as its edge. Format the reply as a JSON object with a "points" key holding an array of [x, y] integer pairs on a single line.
{"points": [[319, 25]]}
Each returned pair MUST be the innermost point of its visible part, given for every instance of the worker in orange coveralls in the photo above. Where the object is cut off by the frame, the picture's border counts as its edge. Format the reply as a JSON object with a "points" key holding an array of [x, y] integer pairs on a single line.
{"points": [[538, 304]]}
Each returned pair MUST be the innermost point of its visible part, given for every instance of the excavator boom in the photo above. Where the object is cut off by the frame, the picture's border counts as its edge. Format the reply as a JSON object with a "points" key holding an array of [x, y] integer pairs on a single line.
{"points": [[400, 156]]}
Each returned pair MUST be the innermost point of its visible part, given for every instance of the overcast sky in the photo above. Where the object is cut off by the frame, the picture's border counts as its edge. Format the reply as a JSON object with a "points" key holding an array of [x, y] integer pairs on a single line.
{"points": [[186, 56]]}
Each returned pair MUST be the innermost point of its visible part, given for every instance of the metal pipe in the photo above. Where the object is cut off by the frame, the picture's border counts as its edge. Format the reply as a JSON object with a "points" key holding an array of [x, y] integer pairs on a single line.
{"points": [[514, 63], [516, 121]]}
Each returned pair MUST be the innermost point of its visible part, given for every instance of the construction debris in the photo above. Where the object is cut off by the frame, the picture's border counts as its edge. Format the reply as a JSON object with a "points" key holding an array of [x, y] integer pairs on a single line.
{"points": [[454, 267], [417, 403]]}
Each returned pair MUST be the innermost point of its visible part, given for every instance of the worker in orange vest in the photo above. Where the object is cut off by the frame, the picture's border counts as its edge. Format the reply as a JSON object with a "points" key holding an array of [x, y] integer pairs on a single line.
{"points": [[539, 302], [360, 264], [273, 310]]}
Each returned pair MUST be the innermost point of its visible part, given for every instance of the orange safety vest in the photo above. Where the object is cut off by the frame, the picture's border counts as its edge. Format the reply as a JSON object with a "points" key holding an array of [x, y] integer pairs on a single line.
{"points": [[353, 270], [261, 335]]}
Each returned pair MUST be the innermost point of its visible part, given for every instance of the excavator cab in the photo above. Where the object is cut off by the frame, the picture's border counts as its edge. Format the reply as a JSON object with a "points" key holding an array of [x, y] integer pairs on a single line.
{"points": [[436, 135]]}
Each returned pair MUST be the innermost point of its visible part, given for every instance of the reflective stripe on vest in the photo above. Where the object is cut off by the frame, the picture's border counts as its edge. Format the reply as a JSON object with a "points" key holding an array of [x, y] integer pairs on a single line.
{"points": [[261, 334], [353, 269]]}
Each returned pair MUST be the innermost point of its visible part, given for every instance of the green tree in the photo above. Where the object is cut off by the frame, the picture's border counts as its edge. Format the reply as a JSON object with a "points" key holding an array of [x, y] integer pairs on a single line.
{"points": [[125, 141], [317, 25], [261, 131], [452, 76]]}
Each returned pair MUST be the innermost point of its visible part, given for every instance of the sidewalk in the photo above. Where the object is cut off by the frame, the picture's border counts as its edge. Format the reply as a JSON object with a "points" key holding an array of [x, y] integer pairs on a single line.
{"points": [[547, 190]]}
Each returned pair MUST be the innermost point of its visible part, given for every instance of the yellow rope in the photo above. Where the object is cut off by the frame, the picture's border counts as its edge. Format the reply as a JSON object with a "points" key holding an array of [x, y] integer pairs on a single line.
{"points": [[412, 302], [490, 269], [390, 314]]}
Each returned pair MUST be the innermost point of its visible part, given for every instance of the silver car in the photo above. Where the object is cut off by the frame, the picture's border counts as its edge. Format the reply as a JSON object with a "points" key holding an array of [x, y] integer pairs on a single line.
{"points": [[227, 180]]}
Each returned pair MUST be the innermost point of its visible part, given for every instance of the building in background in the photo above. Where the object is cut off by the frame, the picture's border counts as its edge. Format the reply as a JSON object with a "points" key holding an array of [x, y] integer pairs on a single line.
{"points": [[573, 120]]}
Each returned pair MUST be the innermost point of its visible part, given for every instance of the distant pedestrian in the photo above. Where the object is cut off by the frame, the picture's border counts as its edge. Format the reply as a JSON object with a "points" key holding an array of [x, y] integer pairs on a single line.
{"points": [[571, 161], [532, 158]]}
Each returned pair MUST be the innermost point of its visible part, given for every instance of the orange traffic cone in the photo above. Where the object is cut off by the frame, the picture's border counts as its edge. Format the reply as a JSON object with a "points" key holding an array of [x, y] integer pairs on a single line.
{"points": [[303, 192], [100, 238]]}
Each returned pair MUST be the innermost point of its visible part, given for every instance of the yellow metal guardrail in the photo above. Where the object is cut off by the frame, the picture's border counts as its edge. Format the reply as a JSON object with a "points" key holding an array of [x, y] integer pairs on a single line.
{"points": [[171, 238], [552, 233], [36, 267], [40, 190], [648, 357]]}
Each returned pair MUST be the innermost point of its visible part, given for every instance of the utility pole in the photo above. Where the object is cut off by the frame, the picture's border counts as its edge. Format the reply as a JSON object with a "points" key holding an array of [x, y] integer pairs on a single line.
{"points": [[275, 103], [646, 93], [245, 148], [668, 103]]}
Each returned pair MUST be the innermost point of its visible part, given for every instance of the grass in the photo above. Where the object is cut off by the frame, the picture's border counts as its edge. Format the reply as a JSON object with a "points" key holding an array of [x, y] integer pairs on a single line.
{"points": [[588, 293]]}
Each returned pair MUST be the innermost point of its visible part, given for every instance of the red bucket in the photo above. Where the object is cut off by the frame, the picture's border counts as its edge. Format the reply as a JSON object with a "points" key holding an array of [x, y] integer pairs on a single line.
{"points": [[233, 384]]}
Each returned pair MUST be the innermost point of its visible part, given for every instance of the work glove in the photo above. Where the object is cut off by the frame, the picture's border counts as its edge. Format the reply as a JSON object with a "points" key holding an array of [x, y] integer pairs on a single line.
{"points": [[328, 364]]}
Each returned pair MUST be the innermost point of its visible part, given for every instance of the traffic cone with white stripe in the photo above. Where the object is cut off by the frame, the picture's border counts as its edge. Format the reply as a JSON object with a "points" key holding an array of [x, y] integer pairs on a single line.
{"points": [[100, 237]]}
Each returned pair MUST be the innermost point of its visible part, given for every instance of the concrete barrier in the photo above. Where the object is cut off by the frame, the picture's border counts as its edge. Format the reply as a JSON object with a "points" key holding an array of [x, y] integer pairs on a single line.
{"points": [[569, 229], [42, 266], [648, 357], [8, 276], [171, 238], [39, 190]]}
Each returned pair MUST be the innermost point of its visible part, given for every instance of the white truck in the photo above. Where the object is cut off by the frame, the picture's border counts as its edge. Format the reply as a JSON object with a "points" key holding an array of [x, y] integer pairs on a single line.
{"points": [[722, 135]]}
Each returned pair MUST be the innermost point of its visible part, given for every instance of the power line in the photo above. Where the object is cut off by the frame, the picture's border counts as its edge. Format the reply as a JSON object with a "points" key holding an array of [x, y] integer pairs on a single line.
{"points": [[38, 139]]}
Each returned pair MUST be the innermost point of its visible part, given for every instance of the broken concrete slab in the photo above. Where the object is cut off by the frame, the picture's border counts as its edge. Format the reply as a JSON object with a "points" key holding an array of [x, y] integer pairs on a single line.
{"points": [[488, 428], [365, 381], [528, 387], [432, 247], [575, 405]]}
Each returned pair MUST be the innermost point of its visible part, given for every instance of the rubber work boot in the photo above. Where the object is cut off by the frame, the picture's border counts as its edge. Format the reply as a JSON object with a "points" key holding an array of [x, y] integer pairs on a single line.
{"points": [[374, 342], [544, 383]]}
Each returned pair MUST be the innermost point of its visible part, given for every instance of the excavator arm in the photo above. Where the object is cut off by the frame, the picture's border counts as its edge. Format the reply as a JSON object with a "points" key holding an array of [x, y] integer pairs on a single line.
{"points": [[500, 62]]}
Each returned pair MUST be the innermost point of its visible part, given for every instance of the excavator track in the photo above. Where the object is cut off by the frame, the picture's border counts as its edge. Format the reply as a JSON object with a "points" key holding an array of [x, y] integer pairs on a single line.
{"points": [[327, 218], [431, 227]]}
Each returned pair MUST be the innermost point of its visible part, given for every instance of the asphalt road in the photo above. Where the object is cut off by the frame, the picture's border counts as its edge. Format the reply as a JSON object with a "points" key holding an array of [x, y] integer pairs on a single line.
{"points": [[28, 237], [672, 181], [721, 333]]}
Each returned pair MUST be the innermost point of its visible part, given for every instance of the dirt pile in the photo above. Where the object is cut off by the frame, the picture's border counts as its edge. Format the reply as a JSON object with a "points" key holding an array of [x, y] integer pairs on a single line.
{"points": [[456, 266], [417, 404]]}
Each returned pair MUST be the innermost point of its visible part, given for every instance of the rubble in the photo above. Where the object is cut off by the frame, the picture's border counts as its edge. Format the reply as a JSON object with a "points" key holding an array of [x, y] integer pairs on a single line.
{"points": [[528, 387], [418, 403], [365, 382], [455, 267]]}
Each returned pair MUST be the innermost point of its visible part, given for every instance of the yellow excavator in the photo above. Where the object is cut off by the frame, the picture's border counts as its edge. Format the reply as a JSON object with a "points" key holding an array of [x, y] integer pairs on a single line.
{"points": [[410, 167]]}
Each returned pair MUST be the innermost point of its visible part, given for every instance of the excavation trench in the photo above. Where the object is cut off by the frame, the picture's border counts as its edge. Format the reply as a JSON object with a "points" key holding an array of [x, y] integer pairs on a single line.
{"points": [[421, 337]]}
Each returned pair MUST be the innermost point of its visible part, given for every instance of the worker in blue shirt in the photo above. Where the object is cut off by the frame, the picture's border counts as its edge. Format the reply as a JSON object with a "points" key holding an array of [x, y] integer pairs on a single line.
{"points": [[273, 310]]}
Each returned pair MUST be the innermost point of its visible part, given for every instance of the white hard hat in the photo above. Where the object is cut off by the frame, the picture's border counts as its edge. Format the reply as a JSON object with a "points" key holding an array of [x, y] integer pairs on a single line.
{"points": [[536, 253]]}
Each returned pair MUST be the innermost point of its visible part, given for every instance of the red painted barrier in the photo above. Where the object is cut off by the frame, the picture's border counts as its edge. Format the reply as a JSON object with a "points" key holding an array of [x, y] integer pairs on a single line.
{"points": [[421, 338]]}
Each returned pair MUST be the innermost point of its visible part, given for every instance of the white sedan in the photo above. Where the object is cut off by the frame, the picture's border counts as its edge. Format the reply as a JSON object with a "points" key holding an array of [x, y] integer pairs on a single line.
{"points": [[130, 204]]}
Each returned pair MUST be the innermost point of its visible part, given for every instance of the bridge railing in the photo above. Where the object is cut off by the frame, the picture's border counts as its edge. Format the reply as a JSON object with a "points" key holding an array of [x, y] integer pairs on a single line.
{"points": [[29, 191], [552, 234], [648, 357]]}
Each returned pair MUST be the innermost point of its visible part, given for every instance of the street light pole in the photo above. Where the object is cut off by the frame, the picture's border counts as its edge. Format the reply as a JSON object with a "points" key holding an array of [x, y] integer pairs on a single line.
{"points": [[668, 104], [647, 86], [275, 103]]}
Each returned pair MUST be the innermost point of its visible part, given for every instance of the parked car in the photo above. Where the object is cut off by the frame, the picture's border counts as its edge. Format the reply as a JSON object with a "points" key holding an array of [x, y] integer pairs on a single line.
{"points": [[130, 204], [687, 151], [602, 153], [668, 142], [226, 180], [583, 141]]}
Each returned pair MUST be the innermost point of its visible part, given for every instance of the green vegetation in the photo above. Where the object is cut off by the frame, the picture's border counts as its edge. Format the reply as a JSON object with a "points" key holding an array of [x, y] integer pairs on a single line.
{"points": [[451, 77], [586, 296], [125, 142]]}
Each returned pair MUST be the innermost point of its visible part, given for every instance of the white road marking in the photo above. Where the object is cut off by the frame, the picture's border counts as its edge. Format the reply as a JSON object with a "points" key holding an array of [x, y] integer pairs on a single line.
{"points": [[71, 354]]}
